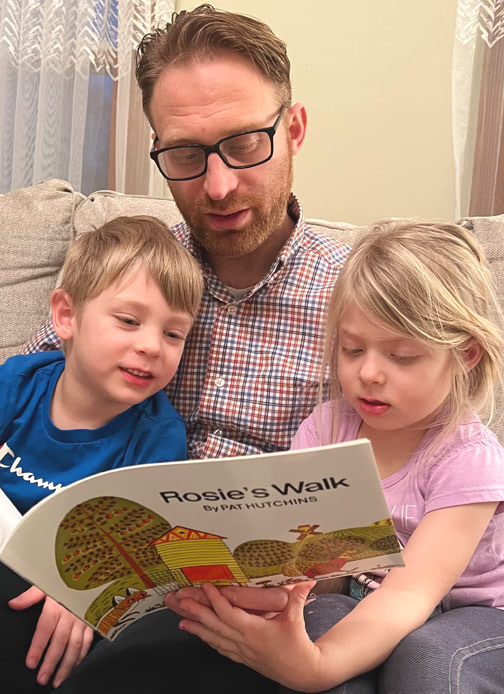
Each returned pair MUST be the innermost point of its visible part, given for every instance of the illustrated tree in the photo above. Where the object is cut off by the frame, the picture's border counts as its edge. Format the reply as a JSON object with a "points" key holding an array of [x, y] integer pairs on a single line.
{"points": [[107, 540]]}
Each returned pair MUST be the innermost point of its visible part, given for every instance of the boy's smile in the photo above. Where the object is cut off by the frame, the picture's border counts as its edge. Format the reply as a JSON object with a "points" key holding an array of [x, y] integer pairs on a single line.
{"points": [[125, 345]]}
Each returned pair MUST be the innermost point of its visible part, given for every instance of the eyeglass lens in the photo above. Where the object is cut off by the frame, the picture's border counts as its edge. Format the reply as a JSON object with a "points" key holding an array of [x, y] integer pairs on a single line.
{"points": [[248, 149]]}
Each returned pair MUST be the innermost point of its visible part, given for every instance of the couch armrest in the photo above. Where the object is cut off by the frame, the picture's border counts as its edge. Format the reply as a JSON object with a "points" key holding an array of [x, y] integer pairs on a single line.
{"points": [[37, 228]]}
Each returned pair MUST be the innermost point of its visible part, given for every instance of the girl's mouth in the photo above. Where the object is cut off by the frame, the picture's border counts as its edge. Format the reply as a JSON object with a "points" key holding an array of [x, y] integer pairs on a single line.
{"points": [[373, 407]]}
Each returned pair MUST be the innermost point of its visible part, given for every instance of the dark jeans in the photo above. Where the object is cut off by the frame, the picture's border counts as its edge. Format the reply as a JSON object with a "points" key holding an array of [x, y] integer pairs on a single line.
{"points": [[456, 652], [16, 633], [153, 655]]}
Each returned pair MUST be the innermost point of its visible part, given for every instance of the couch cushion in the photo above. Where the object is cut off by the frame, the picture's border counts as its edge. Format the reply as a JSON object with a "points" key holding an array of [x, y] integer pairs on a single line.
{"points": [[342, 231], [37, 228], [490, 233], [104, 205]]}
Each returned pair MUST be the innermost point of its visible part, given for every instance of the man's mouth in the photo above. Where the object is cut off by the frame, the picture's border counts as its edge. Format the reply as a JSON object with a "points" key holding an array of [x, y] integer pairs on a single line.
{"points": [[227, 220]]}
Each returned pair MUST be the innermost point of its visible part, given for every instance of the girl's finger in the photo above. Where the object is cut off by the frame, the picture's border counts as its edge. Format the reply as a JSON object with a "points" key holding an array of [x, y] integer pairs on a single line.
{"points": [[208, 618], [230, 615]]}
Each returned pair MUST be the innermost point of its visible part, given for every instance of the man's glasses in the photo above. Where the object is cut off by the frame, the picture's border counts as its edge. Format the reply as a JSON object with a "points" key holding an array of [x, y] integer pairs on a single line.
{"points": [[242, 151]]}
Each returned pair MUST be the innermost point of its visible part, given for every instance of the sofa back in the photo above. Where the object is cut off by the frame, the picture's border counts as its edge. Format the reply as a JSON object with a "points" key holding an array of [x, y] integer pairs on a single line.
{"points": [[39, 223]]}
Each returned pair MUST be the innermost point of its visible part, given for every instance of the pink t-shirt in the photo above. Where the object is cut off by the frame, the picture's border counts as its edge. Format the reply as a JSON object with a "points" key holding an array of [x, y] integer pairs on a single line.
{"points": [[467, 468]]}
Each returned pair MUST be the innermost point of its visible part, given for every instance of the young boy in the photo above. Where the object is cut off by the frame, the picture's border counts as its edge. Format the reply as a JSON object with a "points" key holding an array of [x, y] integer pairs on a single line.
{"points": [[127, 299]]}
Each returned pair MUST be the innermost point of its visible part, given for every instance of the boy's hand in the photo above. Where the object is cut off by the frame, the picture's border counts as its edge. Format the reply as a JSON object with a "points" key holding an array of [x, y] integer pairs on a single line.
{"points": [[278, 648], [68, 639]]}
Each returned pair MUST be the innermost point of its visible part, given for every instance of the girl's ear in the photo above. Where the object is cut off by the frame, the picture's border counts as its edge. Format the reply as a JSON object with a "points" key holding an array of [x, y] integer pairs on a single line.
{"points": [[297, 121], [472, 352], [62, 314]]}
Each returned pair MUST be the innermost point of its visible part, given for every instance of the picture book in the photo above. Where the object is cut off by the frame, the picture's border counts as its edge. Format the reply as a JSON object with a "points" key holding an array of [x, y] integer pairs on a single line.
{"points": [[110, 546]]}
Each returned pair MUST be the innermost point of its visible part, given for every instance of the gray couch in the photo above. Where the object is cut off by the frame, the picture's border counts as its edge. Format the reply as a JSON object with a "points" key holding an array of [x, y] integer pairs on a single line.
{"points": [[39, 222]]}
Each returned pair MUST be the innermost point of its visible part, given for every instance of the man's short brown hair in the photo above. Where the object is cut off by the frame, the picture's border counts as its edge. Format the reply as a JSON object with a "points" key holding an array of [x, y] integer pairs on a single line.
{"points": [[206, 32]]}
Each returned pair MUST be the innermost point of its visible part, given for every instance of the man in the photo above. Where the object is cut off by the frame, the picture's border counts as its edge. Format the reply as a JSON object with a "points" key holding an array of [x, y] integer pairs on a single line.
{"points": [[216, 90]]}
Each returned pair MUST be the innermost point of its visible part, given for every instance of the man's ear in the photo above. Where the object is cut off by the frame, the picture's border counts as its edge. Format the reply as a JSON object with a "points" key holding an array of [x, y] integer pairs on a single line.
{"points": [[472, 352], [62, 314], [297, 121]]}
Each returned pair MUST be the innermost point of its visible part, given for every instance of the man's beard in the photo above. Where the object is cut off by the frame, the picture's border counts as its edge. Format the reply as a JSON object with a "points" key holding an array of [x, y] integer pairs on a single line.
{"points": [[268, 209]]}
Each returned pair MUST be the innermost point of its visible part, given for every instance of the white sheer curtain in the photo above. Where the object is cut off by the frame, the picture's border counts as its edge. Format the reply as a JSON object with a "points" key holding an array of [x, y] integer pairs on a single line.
{"points": [[69, 105], [478, 107]]}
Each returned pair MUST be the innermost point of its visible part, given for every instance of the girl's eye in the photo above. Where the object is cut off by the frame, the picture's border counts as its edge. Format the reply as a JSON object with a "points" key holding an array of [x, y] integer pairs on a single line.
{"points": [[351, 351], [403, 359]]}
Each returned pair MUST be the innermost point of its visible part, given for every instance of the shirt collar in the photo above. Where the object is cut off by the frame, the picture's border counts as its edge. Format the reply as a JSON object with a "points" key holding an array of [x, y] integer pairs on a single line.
{"points": [[294, 211]]}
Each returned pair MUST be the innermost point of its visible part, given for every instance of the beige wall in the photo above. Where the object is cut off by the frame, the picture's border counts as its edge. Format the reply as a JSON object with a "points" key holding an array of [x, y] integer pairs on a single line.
{"points": [[375, 76]]}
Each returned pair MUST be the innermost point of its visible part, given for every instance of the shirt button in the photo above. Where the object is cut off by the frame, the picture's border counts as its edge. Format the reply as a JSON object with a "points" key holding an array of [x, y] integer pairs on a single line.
{"points": [[219, 382], [218, 432], [232, 309]]}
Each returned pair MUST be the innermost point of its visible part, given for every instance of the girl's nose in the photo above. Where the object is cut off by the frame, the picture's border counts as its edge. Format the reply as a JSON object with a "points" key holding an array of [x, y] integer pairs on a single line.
{"points": [[371, 370]]}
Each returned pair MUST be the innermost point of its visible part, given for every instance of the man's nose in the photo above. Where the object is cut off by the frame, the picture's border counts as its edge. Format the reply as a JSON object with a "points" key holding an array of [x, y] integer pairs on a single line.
{"points": [[220, 180], [371, 369]]}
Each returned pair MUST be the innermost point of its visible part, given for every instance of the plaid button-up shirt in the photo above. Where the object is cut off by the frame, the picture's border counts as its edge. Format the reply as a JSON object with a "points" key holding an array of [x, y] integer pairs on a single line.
{"points": [[250, 368]]}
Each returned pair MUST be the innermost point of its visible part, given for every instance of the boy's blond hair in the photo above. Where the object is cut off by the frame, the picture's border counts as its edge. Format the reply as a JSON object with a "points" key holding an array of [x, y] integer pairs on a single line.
{"points": [[98, 258], [428, 281]]}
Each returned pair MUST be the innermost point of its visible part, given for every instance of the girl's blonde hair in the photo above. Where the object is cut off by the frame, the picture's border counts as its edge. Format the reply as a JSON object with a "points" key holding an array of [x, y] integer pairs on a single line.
{"points": [[98, 258], [429, 282]]}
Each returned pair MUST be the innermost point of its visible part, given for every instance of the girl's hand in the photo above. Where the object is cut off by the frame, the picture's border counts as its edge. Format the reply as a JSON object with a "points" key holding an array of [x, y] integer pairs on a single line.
{"points": [[68, 639], [266, 602], [278, 648]]}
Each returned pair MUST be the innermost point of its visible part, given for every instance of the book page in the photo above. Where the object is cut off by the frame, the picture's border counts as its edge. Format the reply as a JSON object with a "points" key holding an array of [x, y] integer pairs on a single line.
{"points": [[9, 517], [111, 546]]}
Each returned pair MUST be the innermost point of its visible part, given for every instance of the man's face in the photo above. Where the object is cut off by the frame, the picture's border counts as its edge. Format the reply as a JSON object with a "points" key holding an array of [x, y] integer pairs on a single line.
{"points": [[231, 212]]}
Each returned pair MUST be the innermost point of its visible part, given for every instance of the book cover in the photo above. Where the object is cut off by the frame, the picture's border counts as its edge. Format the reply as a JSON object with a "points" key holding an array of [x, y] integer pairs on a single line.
{"points": [[110, 546]]}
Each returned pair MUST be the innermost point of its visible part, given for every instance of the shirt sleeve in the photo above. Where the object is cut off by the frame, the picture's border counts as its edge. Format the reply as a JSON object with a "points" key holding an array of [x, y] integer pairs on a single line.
{"points": [[307, 435], [45, 339], [471, 474], [315, 430], [6, 394]]}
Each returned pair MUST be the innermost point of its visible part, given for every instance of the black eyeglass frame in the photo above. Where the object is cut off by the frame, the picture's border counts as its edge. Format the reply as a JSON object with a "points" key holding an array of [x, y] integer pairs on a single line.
{"points": [[211, 149]]}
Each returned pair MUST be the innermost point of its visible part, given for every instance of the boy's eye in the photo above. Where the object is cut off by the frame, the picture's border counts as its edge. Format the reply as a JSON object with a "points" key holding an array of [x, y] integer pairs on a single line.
{"points": [[127, 320], [173, 335]]}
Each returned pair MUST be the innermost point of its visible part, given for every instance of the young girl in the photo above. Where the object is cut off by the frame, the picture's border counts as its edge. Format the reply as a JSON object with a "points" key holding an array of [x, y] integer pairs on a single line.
{"points": [[413, 356]]}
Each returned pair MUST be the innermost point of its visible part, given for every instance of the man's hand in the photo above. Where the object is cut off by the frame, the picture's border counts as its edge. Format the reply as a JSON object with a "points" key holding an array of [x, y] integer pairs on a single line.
{"points": [[278, 648], [69, 639], [266, 602]]}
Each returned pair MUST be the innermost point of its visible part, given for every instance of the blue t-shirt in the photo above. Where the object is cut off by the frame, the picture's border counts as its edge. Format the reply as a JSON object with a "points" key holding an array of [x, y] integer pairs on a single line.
{"points": [[36, 458]]}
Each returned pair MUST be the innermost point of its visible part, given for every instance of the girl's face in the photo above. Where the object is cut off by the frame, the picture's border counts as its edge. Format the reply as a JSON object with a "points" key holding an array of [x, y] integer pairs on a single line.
{"points": [[392, 381]]}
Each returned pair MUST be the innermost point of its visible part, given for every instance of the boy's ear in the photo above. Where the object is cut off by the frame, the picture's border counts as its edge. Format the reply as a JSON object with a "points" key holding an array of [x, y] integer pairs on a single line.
{"points": [[473, 352], [62, 314]]}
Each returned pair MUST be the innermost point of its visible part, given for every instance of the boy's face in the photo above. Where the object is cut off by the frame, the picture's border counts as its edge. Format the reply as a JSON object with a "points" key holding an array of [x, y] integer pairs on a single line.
{"points": [[125, 344]]}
